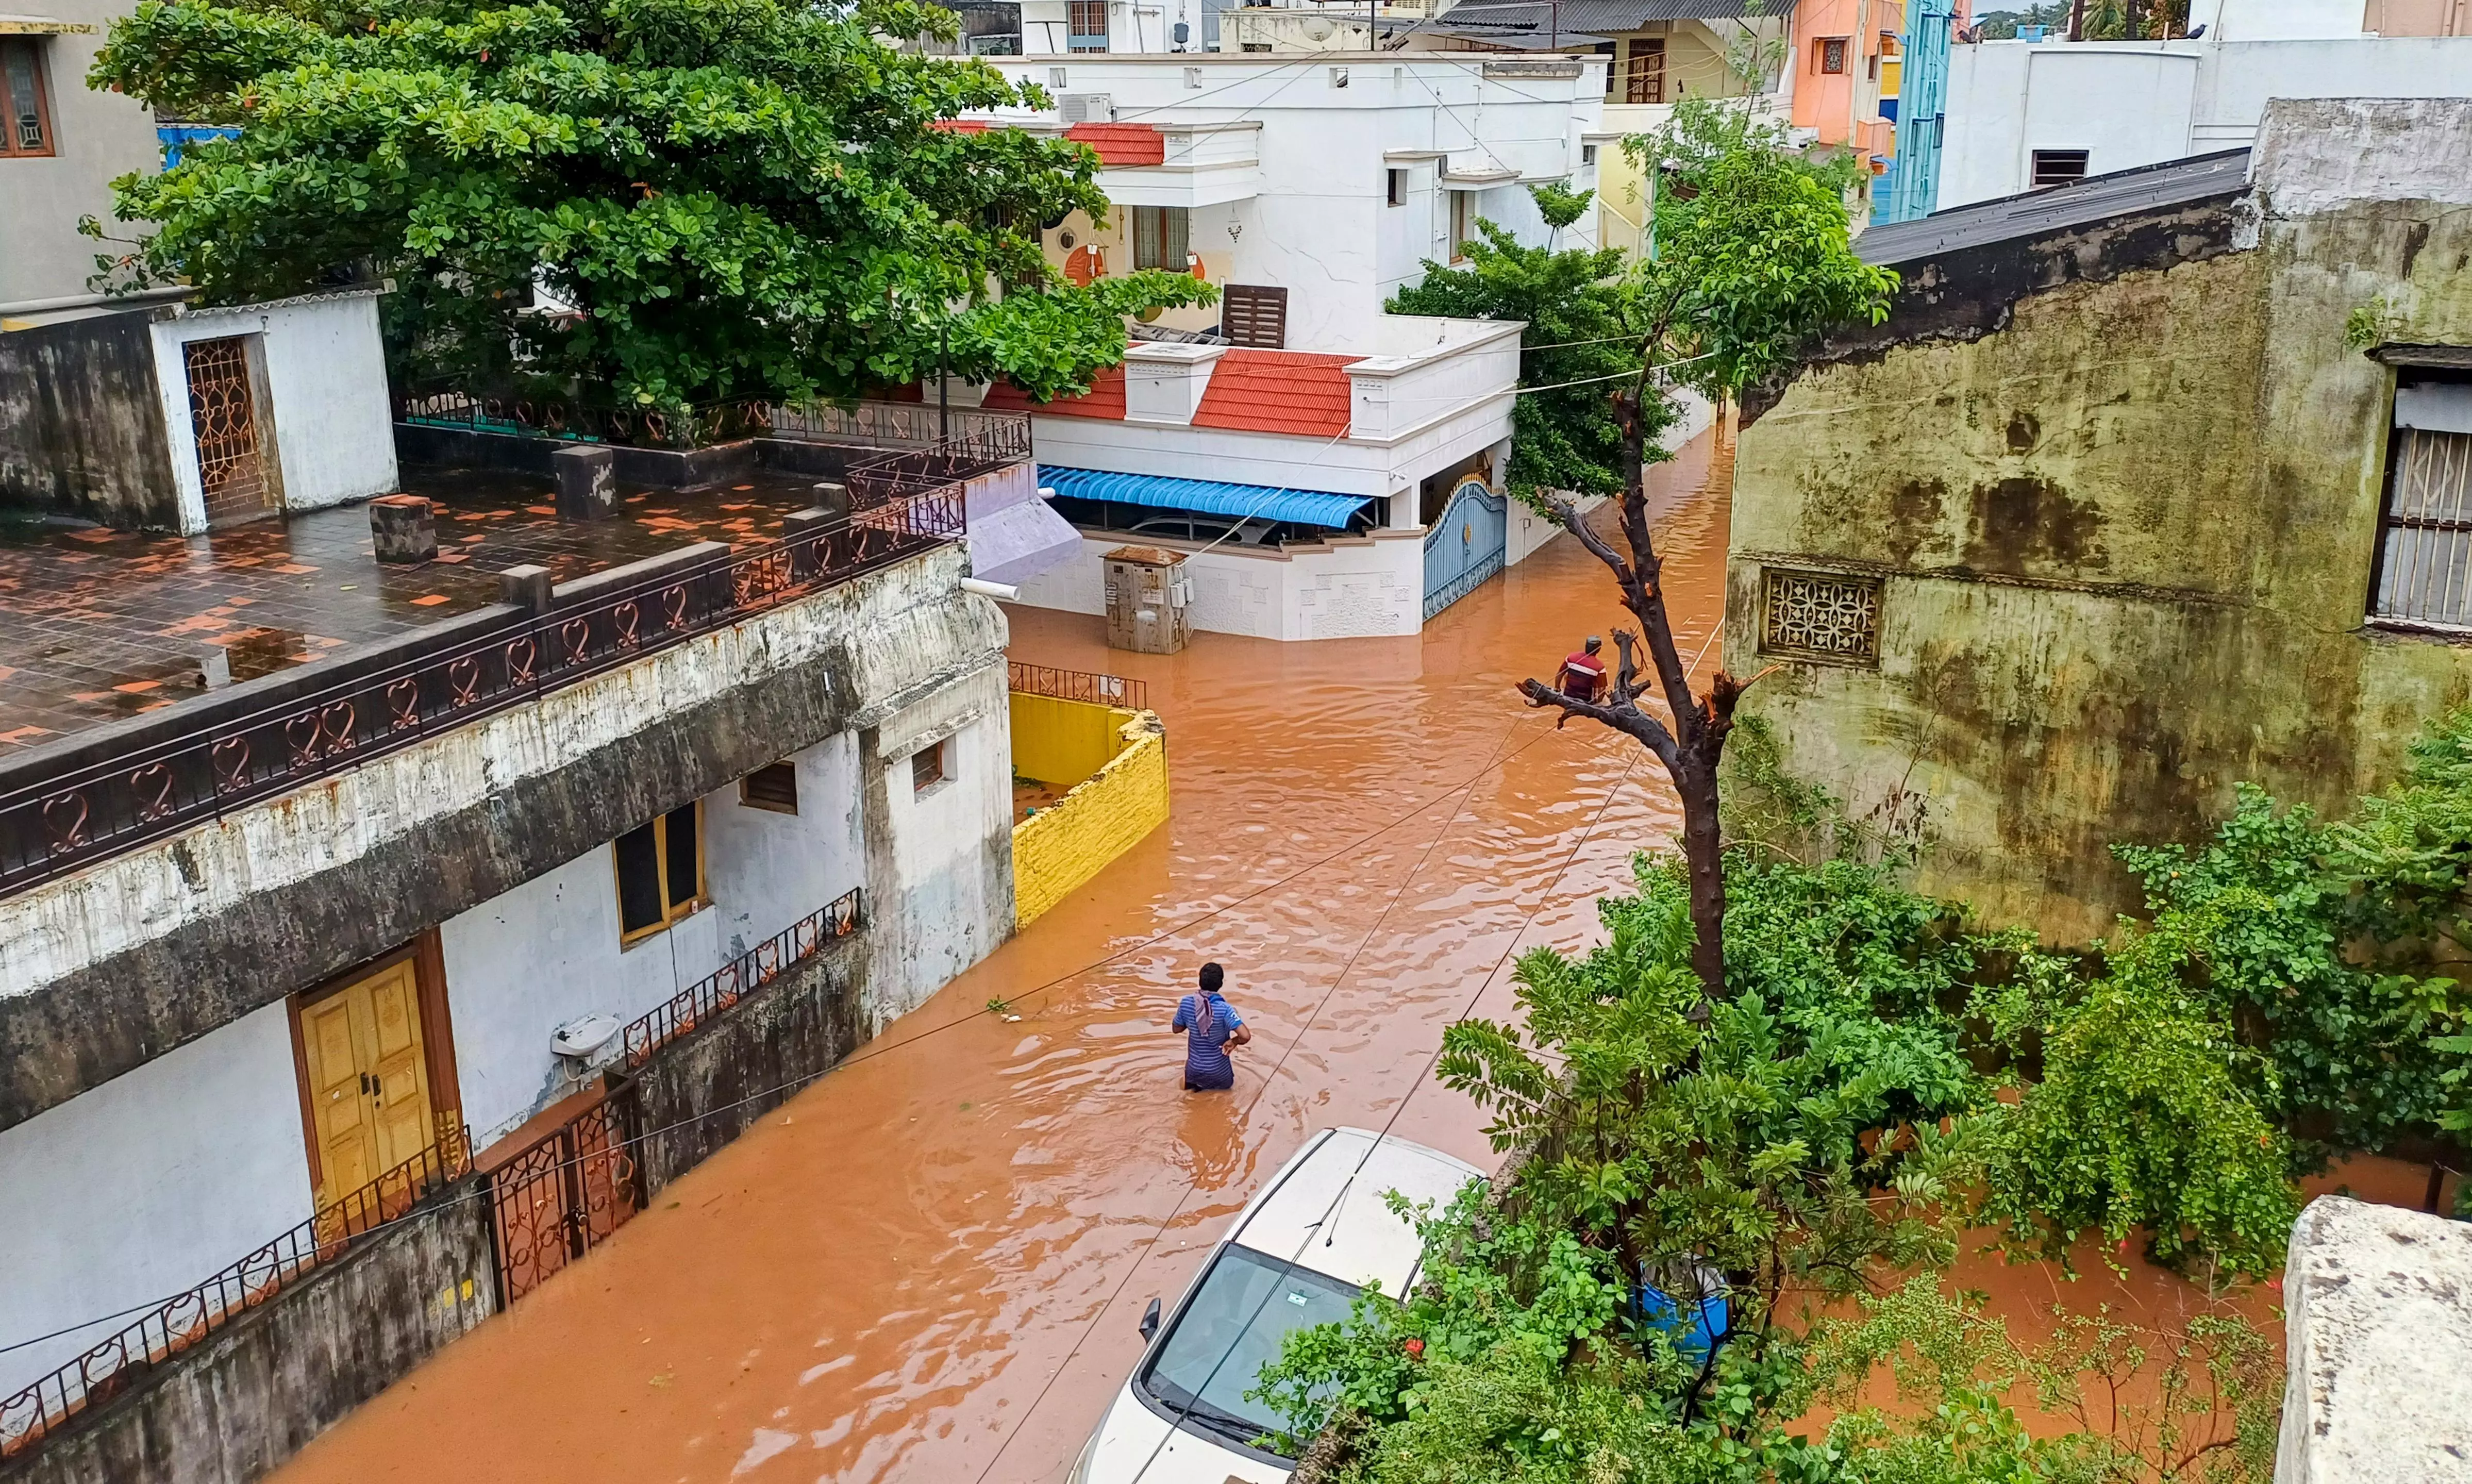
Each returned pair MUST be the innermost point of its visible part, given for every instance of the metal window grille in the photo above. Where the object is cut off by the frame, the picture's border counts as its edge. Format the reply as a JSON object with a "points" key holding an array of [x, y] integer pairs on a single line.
{"points": [[1821, 615], [1832, 52], [224, 414], [28, 126], [1086, 25], [2425, 570]]}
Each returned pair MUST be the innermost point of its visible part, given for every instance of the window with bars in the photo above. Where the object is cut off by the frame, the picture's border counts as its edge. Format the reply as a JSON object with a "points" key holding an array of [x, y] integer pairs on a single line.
{"points": [[2425, 557], [28, 126], [1162, 237], [1086, 25], [1828, 53], [1644, 75], [1831, 616], [660, 872]]}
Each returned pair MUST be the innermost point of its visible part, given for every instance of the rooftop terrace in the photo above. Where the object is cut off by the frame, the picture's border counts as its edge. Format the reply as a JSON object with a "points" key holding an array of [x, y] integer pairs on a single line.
{"points": [[96, 624]]}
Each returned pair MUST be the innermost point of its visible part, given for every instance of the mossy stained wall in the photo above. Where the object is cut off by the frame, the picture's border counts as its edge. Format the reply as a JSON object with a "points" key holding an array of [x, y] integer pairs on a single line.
{"points": [[2124, 544]]}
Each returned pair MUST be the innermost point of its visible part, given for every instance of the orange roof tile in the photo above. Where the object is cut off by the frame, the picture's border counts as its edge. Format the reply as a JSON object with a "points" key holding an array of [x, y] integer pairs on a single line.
{"points": [[1121, 144], [1278, 391], [1106, 399], [958, 126]]}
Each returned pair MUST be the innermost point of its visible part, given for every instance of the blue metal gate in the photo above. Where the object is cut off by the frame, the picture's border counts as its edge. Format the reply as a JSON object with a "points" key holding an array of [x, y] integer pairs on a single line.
{"points": [[1465, 546]]}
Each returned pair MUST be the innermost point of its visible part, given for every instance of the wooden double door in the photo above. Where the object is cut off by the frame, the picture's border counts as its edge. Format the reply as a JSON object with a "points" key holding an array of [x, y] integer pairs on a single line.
{"points": [[365, 1058]]}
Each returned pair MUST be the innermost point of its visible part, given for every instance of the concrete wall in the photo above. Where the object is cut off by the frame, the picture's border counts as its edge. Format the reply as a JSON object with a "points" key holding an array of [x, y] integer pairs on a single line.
{"points": [[548, 952], [324, 373], [2130, 104], [2378, 1342], [146, 1185], [104, 970], [99, 136], [751, 1060], [1115, 806], [940, 859], [81, 424], [1351, 587], [2124, 538], [259, 1390]]}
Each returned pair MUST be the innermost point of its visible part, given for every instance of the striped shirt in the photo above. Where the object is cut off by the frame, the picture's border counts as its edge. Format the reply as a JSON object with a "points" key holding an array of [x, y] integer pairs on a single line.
{"points": [[1206, 1050]]}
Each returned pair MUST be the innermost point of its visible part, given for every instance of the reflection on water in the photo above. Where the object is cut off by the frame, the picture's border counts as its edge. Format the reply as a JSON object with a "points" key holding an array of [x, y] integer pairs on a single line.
{"points": [[879, 1281]]}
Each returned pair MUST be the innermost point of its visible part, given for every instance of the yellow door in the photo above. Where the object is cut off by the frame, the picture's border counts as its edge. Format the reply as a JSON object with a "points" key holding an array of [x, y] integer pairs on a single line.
{"points": [[369, 1083]]}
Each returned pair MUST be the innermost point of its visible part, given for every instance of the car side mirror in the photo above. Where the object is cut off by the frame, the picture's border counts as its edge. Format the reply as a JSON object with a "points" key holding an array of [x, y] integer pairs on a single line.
{"points": [[1149, 1321]]}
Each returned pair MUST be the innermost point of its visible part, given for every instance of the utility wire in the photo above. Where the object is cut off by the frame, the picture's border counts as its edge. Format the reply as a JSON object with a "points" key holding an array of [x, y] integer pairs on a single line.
{"points": [[1151, 1243]]}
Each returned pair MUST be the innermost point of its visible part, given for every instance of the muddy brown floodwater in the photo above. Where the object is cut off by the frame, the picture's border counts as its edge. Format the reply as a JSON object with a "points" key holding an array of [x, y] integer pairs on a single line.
{"points": [[931, 1265]]}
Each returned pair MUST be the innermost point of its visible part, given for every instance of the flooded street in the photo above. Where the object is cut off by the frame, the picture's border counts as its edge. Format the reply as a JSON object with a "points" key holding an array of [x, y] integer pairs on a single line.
{"points": [[931, 1265]]}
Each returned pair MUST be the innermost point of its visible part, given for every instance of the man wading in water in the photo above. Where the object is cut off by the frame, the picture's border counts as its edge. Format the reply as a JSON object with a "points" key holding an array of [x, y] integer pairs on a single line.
{"points": [[1210, 1028]]}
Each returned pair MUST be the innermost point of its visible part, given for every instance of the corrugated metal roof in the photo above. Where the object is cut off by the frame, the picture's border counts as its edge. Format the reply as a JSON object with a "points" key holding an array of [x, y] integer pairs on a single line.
{"points": [[1209, 497], [2093, 198]]}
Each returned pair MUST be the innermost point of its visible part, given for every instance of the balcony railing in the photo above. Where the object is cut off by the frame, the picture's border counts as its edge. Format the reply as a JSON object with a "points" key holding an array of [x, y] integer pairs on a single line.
{"points": [[751, 970], [51, 828], [903, 425], [1038, 679], [184, 1321], [572, 419]]}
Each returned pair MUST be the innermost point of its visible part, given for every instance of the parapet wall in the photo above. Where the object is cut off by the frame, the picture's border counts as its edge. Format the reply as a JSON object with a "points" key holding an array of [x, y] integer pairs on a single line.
{"points": [[1119, 802]]}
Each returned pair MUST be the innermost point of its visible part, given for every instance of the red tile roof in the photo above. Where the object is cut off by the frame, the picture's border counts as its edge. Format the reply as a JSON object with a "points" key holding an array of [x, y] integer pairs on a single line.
{"points": [[1106, 399], [1278, 391], [960, 125], [1123, 144]]}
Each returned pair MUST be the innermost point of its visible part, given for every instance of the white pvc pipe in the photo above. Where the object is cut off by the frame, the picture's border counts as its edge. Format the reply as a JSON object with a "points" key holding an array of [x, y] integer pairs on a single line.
{"points": [[95, 300], [1003, 590]]}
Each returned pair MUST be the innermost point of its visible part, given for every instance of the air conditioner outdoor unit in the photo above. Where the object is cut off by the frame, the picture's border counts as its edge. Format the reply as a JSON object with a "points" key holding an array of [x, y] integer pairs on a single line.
{"points": [[1086, 108]]}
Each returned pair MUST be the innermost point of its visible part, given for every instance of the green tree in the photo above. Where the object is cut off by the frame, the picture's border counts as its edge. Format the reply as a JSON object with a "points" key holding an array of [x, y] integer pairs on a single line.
{"points": [[1753, 257], [741, 198]]}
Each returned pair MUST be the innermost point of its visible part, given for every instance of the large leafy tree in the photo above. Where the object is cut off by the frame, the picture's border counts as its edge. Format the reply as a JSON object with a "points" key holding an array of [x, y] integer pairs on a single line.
{"points": [[740, 198]]}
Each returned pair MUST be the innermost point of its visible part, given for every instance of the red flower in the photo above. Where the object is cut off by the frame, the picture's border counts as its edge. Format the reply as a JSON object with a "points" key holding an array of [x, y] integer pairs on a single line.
{"points": [[1416, 1350]]}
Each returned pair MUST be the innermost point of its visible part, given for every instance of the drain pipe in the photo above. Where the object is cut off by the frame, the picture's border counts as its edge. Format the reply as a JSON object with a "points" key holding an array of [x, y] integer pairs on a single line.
{"points": [[1004, 591], [96, 301]]}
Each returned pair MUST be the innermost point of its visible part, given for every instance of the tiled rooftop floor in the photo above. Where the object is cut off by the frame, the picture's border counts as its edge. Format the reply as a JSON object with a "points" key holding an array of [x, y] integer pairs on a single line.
{"points": [[96, 625]]}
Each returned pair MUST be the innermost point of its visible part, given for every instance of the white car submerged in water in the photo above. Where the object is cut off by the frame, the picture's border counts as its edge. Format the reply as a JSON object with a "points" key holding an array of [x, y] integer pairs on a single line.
{"points": [[1317, 1234]]}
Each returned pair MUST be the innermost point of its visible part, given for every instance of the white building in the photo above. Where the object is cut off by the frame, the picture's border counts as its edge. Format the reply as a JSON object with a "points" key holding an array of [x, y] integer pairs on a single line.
{"points": [[1333, 471], [2026, 114]]}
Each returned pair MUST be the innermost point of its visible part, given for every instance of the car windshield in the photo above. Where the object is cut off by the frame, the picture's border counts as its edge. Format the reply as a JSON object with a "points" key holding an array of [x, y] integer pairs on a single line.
{"points": [[1245, 1309]]}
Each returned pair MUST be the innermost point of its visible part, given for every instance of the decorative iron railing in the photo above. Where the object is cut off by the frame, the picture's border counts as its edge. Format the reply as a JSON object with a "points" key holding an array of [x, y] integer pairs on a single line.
{"points": [[955, 461], [901, 425], [556, 1199], [62, 825], [751, 970], [184, 1321], [1038, 679], [581, 421]]}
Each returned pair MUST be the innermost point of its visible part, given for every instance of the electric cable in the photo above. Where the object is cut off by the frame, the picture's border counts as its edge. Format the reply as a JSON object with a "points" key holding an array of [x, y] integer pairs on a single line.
{"points": [[1151, 1243]]}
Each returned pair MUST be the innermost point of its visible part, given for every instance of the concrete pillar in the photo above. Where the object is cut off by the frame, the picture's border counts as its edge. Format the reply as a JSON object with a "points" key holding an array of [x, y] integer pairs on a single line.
{"points": [[525, 587], [402, 528], [588, 482]]}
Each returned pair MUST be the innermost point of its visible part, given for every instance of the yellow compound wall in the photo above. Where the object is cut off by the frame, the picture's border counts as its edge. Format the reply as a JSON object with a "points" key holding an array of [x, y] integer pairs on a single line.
{"points": [[1116, 762]]}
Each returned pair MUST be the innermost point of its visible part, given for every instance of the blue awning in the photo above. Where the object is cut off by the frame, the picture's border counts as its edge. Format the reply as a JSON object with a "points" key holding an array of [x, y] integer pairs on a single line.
{"points": [[1209, 497]]}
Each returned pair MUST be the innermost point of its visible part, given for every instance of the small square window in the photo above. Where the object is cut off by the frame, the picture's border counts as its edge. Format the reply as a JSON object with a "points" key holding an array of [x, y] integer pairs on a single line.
{"points": [[1831, 616], [774, 788], [2058, 167], [1828, 53], [660, 872], [1587, 155], [927, 766], [1398, 186]]}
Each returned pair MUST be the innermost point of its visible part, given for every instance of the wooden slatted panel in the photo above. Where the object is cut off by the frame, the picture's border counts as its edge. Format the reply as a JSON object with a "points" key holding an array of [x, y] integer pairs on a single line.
{"points": [[1255, 316]]}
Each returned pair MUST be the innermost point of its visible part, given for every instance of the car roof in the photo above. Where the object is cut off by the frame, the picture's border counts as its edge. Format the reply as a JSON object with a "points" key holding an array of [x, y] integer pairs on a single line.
{"points": [[1325, 1209]]}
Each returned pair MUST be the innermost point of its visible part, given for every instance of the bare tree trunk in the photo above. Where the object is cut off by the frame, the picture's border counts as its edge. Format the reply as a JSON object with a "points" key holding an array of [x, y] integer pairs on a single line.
{"points": [[1691, 745]]}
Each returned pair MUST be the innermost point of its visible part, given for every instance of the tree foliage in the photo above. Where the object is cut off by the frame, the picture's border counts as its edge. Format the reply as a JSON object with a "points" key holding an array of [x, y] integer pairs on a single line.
{"points": [[741, 198]]}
